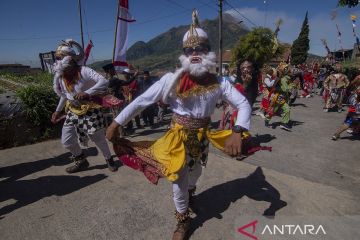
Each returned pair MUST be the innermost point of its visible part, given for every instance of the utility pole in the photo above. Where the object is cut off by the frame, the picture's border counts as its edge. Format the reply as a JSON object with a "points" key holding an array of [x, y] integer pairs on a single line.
{"points": [[81, 25], [220, 37]]}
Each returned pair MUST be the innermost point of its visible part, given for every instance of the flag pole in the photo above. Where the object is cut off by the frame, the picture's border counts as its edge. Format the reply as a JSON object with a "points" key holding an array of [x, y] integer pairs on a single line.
{"points": [[81, 25], [116, 27], [220, 37]]}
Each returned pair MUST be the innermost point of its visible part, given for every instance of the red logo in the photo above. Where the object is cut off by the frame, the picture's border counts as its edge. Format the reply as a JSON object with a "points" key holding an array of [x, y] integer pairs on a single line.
{"points": [[253, 225]]}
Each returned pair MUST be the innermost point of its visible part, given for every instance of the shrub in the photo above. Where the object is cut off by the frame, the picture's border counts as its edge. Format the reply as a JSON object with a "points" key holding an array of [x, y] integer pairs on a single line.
{"points": [[351, 72], [39, 102]]}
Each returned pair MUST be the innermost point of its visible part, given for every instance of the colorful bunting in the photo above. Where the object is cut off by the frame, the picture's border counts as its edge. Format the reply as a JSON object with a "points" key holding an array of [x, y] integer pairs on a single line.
{"points": [[353, 21]]}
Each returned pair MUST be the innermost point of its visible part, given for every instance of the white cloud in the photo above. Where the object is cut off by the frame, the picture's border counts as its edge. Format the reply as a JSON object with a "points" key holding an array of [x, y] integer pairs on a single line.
{"points": [[320, 26]]}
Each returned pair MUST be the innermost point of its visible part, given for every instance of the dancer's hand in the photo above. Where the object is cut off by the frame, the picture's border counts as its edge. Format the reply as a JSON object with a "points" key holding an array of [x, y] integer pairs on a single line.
{"points": [[55, 117], [233, 144], [112, 132], [81, 96]]}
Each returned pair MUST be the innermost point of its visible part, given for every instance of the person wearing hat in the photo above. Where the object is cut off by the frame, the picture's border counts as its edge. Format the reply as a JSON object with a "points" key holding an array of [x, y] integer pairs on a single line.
{"points": [[76, 85], [132, 91], [117, 88], [116, 84], [192, 93]]}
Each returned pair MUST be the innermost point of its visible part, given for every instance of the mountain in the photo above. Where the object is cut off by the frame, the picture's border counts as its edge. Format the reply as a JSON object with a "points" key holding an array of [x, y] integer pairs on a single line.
{"points": [[162, 52], [313, 57]]}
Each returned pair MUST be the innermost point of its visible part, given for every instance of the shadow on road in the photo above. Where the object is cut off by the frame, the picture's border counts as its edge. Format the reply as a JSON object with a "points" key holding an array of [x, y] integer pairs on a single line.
{"points": [[148, 132], [17, 171], [351, 138], [213, 202], [257, 139], [293, 123], [26, 192], [298, 104]]}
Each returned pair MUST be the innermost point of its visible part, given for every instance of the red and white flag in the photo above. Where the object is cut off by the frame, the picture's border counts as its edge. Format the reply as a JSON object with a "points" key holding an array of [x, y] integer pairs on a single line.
{"points": [[87, 51], [123, 18]]}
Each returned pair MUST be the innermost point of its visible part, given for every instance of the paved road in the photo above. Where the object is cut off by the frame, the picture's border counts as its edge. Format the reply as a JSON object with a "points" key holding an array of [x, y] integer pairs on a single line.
{"points": [[312, 174]]}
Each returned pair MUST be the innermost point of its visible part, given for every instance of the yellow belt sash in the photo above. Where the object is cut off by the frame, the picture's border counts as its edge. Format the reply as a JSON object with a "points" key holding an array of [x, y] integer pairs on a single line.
{"points": [[169, 150], [82, 108]]}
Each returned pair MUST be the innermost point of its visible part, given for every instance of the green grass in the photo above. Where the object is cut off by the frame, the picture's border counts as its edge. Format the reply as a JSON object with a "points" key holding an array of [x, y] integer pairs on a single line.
{"points": [[42, 78], [351, 64], [39, 103]]}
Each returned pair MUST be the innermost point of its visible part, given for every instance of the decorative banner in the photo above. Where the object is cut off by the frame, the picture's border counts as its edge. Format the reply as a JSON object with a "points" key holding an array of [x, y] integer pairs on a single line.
{"points": [[329, 55], [324, 42], [333, 17], [123, 18], [339, 37], [87, 51], [339, 33], [353, 20], [278, 24]]}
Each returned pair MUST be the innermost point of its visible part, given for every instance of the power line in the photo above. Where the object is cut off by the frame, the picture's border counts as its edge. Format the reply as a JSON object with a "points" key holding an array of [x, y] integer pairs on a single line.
{"points": [[38, 38], [177, 4], [159, 18], [186, 10], [226, 2], [209, 5]]}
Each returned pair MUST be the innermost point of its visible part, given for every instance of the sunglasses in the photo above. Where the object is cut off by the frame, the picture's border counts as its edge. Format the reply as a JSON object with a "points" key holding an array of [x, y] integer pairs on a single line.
{"points": [[198, 49]]}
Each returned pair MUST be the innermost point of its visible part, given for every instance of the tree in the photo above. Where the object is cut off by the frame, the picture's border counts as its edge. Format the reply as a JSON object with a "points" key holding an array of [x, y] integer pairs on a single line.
{"points": [[348, 3], [300, 47], [258, 46]]}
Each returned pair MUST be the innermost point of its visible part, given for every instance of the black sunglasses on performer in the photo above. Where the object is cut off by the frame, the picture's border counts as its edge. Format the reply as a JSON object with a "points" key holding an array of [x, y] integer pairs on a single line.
{"points": [[198, 50]]}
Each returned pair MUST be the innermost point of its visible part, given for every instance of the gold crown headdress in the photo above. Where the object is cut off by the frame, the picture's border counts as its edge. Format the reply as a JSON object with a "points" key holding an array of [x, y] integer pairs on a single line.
{"points": [[195, 36]]}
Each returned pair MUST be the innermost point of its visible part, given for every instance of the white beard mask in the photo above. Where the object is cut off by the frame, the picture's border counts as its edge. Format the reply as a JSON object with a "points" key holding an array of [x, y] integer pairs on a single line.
{"points": [[198, 65]]}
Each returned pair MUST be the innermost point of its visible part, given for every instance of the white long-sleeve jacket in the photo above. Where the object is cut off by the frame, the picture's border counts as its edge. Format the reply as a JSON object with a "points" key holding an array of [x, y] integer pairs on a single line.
{"points": [[90, 82], [193, 106]]}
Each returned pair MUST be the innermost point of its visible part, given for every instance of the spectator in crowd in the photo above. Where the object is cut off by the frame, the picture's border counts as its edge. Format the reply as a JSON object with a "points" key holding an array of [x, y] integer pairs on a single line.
{"points": [[130, 93], [116, 84], [149, 113]]}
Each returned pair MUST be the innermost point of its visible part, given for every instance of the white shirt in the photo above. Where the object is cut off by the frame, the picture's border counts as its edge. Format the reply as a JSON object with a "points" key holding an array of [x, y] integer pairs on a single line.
{"points": [[194, 106], [90, 82]]}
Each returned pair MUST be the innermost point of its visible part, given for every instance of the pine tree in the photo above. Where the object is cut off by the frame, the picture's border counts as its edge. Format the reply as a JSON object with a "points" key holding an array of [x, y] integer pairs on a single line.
{"points": [[300, 47]]}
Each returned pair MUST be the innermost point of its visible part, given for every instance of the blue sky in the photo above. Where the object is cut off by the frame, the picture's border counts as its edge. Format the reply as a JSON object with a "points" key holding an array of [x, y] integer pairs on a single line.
{"points": [[30, 27]]}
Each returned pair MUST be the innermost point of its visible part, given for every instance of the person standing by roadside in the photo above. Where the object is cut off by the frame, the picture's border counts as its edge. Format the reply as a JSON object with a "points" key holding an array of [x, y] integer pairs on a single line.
{"points": [[149, 113], [131, 92]]}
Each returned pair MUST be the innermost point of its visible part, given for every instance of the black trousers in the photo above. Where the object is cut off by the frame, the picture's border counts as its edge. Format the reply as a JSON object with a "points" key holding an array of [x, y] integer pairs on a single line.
{"points": [[149, 114]]}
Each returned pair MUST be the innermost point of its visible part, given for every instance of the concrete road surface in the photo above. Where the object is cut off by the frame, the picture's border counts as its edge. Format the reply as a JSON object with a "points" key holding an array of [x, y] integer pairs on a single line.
{"points": [[306, 176]]}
